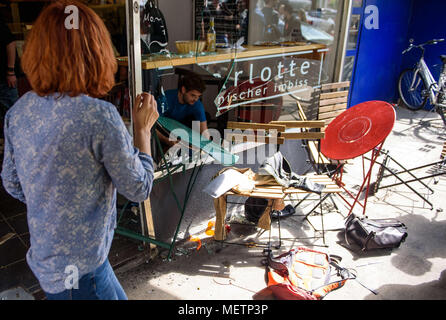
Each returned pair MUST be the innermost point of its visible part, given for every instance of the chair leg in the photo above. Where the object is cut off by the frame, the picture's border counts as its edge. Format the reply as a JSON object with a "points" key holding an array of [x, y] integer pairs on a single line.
{"points": [[401, 181], [269, 211], [322, 220], [319, 204], [279, 245]]}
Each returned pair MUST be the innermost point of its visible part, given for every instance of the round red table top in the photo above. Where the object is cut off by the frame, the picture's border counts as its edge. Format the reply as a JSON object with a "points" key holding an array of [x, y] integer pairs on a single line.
{"points": [[358, 130]]}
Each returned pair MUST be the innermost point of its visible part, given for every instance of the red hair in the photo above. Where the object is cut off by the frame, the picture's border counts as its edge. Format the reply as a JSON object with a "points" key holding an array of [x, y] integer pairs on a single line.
{"points": [[70, 61]]}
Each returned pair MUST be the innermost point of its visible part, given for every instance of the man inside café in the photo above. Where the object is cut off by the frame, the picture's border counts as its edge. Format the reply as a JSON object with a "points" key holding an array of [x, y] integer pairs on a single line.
{"points": [[183, 105]]}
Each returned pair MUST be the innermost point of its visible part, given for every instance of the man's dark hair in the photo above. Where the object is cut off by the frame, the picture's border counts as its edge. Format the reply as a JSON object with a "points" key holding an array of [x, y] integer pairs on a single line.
{"points": [[191, 81]]}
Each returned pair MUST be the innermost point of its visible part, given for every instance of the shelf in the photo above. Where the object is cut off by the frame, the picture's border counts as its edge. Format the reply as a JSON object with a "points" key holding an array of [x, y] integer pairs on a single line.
{"points": [[250, 53]]}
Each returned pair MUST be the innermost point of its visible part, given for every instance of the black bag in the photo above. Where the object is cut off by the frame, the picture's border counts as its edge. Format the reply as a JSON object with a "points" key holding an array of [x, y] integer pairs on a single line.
{"points": [[372, 234], [254, 208]]}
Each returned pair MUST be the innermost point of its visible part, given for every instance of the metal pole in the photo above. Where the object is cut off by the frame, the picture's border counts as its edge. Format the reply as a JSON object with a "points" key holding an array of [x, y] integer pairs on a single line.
{"points": [[132, 9], [133, 50], [342, 39]]}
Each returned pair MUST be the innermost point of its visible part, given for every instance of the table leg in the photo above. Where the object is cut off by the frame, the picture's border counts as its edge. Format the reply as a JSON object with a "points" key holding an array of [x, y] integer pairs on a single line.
{"points": [[220, 210], [265, 220]]}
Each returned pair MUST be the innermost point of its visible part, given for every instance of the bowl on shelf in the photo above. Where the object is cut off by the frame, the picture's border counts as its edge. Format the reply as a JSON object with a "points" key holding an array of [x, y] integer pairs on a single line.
{"points": [[188, 46]]}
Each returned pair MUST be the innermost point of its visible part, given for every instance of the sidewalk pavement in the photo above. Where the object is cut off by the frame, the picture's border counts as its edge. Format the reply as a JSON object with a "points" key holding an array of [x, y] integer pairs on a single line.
{"points": [[415, 270]]}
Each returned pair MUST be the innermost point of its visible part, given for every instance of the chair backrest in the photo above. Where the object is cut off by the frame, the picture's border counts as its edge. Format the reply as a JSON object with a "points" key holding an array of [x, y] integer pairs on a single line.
{"points": [[315, 155], [309, 129], [255, 132], [333, 99], [276, 131]]}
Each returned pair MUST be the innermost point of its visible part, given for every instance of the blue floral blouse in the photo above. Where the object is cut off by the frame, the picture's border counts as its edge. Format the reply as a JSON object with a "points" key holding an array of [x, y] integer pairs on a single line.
{"points": [[65, 157]]}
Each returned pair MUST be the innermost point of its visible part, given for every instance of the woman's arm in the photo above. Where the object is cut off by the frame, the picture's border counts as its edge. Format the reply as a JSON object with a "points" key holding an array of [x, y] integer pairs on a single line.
{"points": [[145, 114]]}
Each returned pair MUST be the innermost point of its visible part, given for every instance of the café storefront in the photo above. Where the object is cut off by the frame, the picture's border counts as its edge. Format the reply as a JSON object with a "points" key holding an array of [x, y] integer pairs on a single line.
{"points": [[268, 55], [255, 75]]}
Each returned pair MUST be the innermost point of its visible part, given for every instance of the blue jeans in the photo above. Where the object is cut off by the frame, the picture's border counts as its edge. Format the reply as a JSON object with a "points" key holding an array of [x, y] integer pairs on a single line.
{"points": [[8, 96], [100, 284]]}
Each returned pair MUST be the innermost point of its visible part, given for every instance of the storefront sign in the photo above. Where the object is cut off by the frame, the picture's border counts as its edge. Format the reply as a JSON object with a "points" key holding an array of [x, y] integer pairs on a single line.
{"points": [[269, 83]]}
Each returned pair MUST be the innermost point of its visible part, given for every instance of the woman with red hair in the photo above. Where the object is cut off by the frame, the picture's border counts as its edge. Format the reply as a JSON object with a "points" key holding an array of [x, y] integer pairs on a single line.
{"points": [[67, 153]]}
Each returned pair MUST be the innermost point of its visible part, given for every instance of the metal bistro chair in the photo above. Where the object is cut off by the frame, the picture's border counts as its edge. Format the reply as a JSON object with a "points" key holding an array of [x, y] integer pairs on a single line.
{"points": [[330, 101], [438, 168], [273, 192], [354, 133]]}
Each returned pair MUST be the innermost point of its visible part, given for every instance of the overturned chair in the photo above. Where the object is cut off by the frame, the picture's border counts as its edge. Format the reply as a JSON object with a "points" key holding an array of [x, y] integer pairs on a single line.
{"points": [[273, 191], [409, 176], [329, 101]]}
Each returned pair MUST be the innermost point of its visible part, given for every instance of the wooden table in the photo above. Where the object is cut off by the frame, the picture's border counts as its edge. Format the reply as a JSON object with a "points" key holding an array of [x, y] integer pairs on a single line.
{"points": [[275, 194], [313, 51]]}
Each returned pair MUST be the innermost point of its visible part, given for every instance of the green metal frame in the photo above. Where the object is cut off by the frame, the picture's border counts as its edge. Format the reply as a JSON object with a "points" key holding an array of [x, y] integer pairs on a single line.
{"points": [[181, 207]]}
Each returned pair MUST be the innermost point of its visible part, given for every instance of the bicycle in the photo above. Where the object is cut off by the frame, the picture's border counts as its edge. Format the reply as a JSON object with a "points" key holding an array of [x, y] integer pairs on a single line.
{"points": [[417, 85]]}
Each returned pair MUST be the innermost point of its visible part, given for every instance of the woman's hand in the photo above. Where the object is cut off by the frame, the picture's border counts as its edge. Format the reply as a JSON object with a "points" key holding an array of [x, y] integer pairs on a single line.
{"points": [[145, 112]]}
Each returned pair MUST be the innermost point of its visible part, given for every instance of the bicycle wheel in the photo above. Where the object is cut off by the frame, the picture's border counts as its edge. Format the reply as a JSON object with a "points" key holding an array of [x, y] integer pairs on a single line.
{"points": [[414, 98]]}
